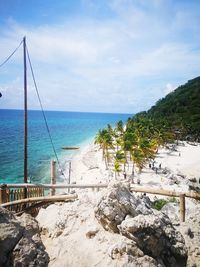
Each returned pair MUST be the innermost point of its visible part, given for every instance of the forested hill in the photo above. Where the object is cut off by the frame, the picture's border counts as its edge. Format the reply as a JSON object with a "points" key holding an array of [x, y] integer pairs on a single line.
{"points": [[181, 108]]}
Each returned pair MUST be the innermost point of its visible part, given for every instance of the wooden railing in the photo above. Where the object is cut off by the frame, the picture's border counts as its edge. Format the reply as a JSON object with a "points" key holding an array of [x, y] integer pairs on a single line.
{"points": [[33, 203], [9, 193]]}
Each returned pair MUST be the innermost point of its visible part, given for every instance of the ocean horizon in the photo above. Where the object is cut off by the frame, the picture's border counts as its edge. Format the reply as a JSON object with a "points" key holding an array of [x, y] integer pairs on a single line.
{"points": [[67, 128]]}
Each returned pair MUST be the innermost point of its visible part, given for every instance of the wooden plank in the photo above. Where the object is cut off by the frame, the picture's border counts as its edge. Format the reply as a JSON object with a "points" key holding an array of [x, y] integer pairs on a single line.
{"points": [[3, 193], [163, 192], [182, 208], [7, 194], [14, 195], [133, 188], [53, 176], [43, 199], [49, 186]]}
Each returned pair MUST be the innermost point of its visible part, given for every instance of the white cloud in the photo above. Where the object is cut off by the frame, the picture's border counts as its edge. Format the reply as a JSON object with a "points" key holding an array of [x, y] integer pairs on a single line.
{"points": [[119, 64]]}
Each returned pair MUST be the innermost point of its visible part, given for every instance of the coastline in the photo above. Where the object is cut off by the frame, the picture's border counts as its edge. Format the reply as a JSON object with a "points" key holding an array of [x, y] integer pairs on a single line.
{"points": [[177, 170], [88, 166]]}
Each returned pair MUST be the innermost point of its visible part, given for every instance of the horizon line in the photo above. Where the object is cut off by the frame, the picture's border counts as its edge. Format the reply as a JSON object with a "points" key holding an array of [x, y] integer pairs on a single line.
{"points": [[68, 111]]}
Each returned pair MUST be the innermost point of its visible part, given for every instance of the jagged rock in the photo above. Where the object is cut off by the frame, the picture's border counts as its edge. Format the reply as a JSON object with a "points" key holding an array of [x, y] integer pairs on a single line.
{"points": [[191, 234], [11, 232], [171, 209], [156, 237], [152, 232], [20, 243], [147, 261], [116, 204], [127, 252], [125, 247]]}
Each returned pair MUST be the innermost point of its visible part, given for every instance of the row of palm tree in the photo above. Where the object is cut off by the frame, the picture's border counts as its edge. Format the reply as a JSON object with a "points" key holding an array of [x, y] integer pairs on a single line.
{"points": [[132, 144]]}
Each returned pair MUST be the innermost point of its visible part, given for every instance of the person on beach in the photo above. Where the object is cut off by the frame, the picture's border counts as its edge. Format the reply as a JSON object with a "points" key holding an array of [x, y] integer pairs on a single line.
{"points": [[138, 180], [150, 165]]}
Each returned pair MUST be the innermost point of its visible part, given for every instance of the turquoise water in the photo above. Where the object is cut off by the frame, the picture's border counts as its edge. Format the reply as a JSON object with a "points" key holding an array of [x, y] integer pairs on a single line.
{"points": [[67, 129]]}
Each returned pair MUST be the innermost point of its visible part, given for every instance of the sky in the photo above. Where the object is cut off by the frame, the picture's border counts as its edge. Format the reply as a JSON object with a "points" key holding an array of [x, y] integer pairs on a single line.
{"points": [[117, 56]]}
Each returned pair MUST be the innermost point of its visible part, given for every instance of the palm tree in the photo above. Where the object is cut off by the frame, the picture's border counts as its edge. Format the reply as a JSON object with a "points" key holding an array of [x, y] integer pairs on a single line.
{"points": [[99, 141], [117, 168], [104, 139], [138, 158], [120, 127]]}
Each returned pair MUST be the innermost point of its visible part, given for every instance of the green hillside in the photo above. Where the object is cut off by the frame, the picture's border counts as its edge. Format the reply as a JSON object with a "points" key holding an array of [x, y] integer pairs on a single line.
{"points": [[181, 109], [175, 117]]}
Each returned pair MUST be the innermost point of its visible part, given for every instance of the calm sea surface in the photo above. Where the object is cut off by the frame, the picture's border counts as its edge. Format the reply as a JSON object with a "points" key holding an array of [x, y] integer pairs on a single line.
{"points": [[67, 129]]}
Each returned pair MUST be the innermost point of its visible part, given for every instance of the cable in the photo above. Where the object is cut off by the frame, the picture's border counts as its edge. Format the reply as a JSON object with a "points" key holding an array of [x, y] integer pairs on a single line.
{"points": [[6, 60], [48, 130]]}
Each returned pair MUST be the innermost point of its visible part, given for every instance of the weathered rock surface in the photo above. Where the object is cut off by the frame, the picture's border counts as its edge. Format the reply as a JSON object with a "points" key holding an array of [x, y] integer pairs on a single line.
{"points": [[120, 211], [171, 209], [83, 241], [191, 233], [156, 237], [20, 243], [142, 237], [117, 204], [11, 232]]}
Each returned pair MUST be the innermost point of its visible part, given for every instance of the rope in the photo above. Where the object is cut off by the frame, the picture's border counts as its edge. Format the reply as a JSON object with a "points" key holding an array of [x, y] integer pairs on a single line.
{"points": [[43, 113], [6, 60]]}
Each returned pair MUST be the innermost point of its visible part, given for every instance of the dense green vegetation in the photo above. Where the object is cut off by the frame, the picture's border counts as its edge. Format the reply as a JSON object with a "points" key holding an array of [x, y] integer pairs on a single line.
{"points": [[132, 145], [160, 203], [181, 109]]}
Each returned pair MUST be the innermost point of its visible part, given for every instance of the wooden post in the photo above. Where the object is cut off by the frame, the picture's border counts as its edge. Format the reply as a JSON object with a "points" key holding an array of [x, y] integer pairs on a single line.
{"points": [[25, 120], [53, 176], [69, 180], [70, 170], [182, 207], [3, 194]]}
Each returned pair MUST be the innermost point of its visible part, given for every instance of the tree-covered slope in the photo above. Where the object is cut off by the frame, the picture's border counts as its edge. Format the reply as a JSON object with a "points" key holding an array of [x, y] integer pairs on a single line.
{"points": [[181, 108]]}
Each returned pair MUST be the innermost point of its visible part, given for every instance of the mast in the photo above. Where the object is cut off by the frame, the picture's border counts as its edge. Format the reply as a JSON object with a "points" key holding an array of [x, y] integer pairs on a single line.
{"points": [[25, 120]]}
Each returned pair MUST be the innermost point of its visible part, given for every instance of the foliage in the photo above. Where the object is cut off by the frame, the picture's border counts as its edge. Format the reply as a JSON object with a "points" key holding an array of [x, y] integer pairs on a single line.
{"points": [[177, 116], [181, 109], [159, 204]]}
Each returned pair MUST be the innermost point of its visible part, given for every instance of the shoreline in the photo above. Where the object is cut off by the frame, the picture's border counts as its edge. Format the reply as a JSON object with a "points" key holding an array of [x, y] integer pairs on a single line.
{"points": [[177, 168]]}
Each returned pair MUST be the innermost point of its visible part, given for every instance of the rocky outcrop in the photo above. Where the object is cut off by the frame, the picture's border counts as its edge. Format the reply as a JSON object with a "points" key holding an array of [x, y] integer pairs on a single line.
{"points": [[127, 252], [156, 237], [117, 204], [171, 209], [11, 232], [191, 233], [150, 233], [20, 243]]}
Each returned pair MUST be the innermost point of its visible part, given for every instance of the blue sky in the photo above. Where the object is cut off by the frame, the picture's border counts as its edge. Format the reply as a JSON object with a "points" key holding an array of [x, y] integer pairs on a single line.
{"points": [[103, 56]]}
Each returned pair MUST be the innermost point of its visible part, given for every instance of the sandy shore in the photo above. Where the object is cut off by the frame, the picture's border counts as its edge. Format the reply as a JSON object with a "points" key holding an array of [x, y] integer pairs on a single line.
{"points": [[88, 166], [183, 164], [176, 170]]}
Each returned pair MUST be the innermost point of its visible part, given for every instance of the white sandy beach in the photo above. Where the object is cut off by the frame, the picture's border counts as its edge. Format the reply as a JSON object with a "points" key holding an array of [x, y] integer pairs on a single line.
{"points": [[183, 164]]}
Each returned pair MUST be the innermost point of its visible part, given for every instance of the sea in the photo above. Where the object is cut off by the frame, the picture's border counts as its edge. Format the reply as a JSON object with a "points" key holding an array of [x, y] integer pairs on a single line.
{"points": [[74, 129]]}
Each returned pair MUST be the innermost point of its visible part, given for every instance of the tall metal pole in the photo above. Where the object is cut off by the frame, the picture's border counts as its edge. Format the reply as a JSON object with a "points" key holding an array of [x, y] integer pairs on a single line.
{"points": [[25, 120]]}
